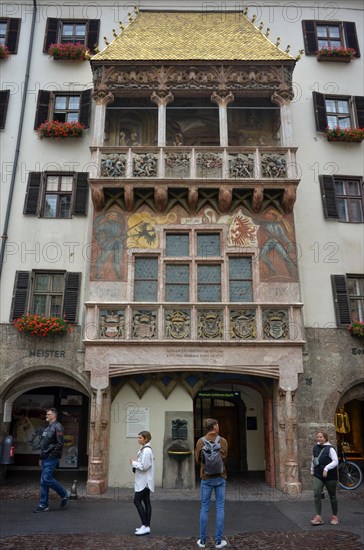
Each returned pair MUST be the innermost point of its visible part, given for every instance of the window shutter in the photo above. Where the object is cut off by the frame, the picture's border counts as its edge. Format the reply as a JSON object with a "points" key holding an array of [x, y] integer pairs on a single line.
{"points": [[327, 184], [351, 38], [20, 294], [93, 34], [320, 111], [32, 195], [85, 107], [13, 34], [51, 33], [359, 107], [341, 298], [41, 115], [309, 35], [81, 193], [71, 292], [4, 100]]}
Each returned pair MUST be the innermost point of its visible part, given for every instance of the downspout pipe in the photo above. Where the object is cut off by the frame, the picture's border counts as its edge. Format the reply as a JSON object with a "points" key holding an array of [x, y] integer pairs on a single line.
{"points": [[4, 235]]}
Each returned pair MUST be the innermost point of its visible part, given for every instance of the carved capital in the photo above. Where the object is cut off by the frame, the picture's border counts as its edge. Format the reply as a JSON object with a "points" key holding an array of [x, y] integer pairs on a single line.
{"points": [[98, 197], [222, 99], [192, 198], [102, 96], [283, 97], [162, 97]]}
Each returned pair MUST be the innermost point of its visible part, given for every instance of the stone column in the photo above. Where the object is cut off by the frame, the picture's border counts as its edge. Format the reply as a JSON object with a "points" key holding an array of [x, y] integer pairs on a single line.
{"points": [[162, 98], [283, 99], [99, 442], [287, 422], [223, 99], [102, 99]]}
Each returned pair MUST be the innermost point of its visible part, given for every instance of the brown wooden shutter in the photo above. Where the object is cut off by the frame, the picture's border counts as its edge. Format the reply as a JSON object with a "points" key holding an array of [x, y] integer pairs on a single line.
{"points": [[351, 38], [81, 194], [13, 34], [359, 107], [93, 34], [4, 100], [320, 111], [51, 33], [32, 196], [85, 107], [309, 35], [20, 294], [327, 184], [41, 115], [71, 293], [341, 298]]}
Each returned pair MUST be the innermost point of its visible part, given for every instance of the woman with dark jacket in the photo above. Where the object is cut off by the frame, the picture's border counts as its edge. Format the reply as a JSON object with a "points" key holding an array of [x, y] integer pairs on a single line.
{"points": [[324, 471]]}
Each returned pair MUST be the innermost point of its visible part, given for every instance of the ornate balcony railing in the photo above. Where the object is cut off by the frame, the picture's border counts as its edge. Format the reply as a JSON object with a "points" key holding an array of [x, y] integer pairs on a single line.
{"points": [[168, 322], [227, 163]]}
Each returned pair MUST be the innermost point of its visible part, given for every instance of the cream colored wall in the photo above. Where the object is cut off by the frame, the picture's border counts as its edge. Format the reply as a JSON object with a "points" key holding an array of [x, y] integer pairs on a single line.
{"points": [[254, 438], [122, 448]]}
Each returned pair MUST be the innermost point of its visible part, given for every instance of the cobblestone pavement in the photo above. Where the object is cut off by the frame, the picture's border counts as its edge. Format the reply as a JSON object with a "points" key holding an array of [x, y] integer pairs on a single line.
{"points": [[339, 540]]}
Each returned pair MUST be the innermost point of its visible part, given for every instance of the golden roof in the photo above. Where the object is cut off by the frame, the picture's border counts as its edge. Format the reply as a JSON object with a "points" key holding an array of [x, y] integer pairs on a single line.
{"points": [[183, 36]]}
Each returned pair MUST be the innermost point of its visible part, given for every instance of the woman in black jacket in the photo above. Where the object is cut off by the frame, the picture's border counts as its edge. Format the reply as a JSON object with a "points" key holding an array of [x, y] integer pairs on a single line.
{"points": [[324, 471]]}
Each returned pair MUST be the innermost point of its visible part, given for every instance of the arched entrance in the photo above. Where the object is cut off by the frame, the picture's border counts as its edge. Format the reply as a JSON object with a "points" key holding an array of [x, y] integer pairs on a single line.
{"points": [[349, 423], [244, 411], [25, 401]]}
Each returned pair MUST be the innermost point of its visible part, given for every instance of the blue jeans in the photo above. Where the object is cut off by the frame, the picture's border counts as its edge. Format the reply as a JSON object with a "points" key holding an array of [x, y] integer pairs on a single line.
{"points": [[217, 484], [47, 481]]}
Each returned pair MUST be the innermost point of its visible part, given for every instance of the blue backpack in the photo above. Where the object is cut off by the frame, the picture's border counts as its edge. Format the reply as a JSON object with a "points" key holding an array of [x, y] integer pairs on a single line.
{"points": [[211, 457]]}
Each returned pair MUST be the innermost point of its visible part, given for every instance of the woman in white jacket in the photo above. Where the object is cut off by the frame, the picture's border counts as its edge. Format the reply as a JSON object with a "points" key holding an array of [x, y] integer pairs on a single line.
{"points": [[143, 468]]}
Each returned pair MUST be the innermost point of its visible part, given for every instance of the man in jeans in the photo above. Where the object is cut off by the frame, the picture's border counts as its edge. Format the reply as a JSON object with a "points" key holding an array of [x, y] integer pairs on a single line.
{"points": [[51, 446], [211, 483]]}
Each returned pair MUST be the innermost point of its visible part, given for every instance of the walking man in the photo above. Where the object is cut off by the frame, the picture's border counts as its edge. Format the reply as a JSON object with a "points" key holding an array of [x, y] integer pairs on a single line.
{"points": [[51, 446], [211, 454]]}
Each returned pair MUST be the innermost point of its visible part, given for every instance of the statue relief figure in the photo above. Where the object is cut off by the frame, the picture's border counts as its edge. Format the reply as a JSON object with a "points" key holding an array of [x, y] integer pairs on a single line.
{"points": [[122, 138], [134, 139]]}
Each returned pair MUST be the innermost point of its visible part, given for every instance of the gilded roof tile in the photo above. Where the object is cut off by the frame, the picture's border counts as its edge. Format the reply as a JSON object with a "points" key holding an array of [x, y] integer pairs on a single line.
{"points": [[182, 36]]}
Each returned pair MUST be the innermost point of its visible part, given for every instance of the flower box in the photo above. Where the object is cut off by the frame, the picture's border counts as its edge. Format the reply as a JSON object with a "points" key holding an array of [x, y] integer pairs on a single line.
{"points": [[60, 130], [39, 325], [357, 329], [69, 52], [4, 52], [349, 135], [340, 55]]}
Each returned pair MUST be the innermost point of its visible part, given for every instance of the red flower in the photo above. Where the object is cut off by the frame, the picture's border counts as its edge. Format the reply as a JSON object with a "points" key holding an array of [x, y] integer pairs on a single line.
{"points": [[57, 129], [4, 52], [72, 52], [39, 325]]}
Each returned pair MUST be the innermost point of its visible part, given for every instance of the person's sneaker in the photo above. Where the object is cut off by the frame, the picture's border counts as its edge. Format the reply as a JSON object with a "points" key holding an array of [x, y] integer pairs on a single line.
{"points": [[64, 500], [143, 530], [201, 544], [334, 520], [317, 520], [40, 508], [138, 528], [221, 544]]}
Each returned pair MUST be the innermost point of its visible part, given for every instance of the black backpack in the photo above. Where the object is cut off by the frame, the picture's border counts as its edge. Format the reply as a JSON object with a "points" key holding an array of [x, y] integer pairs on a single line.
{"points": [[211, 457]]}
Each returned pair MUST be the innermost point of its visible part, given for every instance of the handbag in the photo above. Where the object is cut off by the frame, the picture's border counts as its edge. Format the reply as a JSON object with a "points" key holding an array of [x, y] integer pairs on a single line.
{"points": [[316, 459]]}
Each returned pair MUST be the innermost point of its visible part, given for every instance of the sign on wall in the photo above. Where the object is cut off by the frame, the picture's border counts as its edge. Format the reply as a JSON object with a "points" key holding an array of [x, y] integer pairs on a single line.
{"points": [[137, 420]]}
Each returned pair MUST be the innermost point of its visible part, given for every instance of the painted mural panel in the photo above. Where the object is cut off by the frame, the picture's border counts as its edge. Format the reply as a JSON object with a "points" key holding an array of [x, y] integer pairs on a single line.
{"points": [[269, 234]]}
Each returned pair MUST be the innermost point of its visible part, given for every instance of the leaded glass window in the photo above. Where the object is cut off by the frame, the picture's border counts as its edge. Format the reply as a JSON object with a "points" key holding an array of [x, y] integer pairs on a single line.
{"points": [[208, 244], [240, 280], [177, 283], [177, 244], [146, 280], [208, 283]]}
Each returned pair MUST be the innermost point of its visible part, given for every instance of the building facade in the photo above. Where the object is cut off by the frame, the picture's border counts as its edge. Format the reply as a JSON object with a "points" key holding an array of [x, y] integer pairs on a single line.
{"points": [[191, 276]]}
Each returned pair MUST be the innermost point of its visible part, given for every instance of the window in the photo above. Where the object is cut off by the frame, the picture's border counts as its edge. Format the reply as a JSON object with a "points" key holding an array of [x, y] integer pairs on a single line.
{"points": [[72, 31], [342, 198], [332, 111], [63, 107], [9, 33], [193, 269], [56, 195], [349, 298], [4, 100], [320, 34], [46, 293]]}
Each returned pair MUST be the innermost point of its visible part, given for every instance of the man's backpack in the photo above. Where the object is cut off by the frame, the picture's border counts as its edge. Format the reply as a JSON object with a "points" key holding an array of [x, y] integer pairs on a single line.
{"points": [[211, 457]]}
